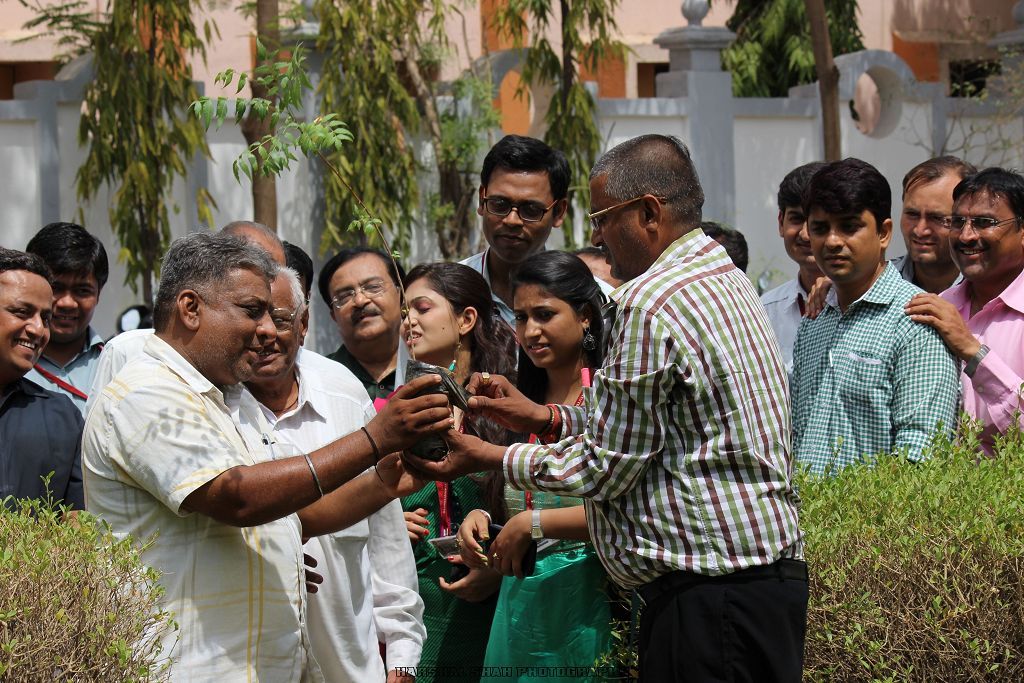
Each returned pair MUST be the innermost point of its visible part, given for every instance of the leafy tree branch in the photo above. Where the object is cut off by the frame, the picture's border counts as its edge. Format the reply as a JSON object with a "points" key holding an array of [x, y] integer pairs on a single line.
{"points": [[134, 125]]}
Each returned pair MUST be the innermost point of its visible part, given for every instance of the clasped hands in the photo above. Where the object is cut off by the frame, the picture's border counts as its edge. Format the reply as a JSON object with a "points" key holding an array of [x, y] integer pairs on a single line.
{"points": [[505, 552]]}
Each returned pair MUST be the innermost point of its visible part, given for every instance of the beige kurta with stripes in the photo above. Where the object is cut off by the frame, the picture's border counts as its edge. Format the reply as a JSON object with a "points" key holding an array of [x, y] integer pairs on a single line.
{"points": [[158, 432]]}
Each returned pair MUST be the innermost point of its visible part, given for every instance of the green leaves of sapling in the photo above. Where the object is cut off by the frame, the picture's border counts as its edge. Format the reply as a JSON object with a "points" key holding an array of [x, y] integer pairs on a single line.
{"points": [[282, 83], [285, 82], [364, 222]]}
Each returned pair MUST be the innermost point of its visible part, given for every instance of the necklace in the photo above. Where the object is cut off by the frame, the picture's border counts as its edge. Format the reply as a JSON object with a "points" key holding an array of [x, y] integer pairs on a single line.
{"points": [[291, 405]]}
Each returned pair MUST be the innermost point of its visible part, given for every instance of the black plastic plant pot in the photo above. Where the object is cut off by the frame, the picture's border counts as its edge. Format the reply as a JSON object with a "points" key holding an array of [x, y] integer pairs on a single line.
{"points": [[434, 447]]}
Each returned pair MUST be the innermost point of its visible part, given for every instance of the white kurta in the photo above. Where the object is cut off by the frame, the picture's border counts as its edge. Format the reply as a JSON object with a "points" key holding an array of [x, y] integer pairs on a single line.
{"points": [[369, 593]]}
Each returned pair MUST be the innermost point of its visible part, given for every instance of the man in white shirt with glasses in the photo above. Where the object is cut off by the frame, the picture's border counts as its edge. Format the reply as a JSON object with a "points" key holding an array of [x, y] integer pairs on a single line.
{"points": [[524, 186], [369, 593]]}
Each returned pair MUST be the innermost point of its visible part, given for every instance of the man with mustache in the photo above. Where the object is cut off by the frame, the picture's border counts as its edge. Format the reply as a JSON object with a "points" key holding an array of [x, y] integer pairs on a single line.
{"points": [[79, 266], [361, 287], [786, 303], [128, 345], [924, 222], [165, 456], [40, 430], [866, 381], [524, 185], [981, 319]]}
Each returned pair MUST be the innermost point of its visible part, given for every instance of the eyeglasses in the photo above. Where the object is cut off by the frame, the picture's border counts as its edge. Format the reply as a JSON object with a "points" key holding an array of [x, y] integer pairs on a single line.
{"points": [[979, 223], [283, 318], [934, 221], [371, 290], [604, 212], [596, 218], [529, 212]]}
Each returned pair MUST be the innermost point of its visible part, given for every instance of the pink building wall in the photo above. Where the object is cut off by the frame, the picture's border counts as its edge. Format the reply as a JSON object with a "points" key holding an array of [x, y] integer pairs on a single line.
{"points": [[958, 25]]}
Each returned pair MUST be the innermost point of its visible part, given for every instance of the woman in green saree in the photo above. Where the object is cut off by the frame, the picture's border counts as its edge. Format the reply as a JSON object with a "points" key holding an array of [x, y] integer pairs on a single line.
{"points": [[558, 617], [453, 323]]}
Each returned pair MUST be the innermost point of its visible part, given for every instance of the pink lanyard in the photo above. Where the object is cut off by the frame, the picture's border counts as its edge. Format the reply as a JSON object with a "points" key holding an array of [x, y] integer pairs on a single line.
{"points": [[443, 489]]}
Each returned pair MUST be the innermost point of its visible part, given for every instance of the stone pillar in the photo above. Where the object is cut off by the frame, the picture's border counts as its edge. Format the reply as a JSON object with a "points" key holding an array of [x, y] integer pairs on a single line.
{"points": [[695, 73], [1011, 43]]}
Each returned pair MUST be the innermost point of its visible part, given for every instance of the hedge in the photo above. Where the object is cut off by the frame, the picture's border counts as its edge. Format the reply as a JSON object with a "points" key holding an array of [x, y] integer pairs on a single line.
{"points": [[76, 603], [917, 570]]}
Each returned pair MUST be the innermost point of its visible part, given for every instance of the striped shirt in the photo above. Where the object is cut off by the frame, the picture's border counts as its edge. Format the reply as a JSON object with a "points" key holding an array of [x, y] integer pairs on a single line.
{"points": [[156, 433], [869, 380], [683, 454]]}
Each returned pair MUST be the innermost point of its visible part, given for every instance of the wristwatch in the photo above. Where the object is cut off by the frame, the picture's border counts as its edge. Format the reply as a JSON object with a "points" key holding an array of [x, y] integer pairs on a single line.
{"points": [[975, 361], [536, 533]]}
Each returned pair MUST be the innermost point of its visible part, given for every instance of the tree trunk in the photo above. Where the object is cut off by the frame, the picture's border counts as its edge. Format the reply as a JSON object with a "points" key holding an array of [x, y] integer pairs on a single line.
{"points": [[147, 288], [568, 66], [828, 77], [264, 187], [149, 216], [453, 189]]}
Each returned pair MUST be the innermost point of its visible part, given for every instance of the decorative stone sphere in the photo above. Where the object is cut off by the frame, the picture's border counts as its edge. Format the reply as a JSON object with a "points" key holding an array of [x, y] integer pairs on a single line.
{"points": [[695, 11]]}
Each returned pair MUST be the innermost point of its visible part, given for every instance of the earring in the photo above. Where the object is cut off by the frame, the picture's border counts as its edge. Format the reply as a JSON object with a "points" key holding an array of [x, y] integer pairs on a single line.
{"points": [[589, 343], [455, 361]]}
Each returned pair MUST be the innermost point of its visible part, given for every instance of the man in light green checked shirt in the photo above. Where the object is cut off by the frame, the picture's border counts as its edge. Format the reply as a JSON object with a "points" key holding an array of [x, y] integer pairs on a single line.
{"points": [[867, 380], [682, 452]]}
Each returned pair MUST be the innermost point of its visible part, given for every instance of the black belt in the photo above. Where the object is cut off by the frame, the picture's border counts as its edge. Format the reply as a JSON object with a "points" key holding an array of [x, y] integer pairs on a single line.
{"points": [[678, 581]]}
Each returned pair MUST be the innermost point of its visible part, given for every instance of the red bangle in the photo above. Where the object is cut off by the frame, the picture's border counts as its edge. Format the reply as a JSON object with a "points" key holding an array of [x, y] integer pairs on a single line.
{"points": [[551, 421], [554, 425]]}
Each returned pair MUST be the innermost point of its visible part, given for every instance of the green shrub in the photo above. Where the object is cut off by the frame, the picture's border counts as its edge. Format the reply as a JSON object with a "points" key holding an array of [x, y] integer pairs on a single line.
{"points": [[76, 604], [917, 570]]}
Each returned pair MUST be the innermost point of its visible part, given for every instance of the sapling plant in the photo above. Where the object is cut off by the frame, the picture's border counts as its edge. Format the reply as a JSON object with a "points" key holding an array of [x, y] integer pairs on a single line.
{"points": [[284, 82]]}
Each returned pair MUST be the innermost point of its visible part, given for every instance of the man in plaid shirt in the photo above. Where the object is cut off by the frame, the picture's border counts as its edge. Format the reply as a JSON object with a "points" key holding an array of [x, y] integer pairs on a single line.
{"points": [[683, 449], [866, 379]]}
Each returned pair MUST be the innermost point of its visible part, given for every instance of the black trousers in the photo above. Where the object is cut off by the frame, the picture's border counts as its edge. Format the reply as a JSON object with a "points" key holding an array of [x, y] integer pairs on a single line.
{"points": [[745, 626]]}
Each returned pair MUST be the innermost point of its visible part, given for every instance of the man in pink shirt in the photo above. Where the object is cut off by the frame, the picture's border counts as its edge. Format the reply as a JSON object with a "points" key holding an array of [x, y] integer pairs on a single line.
{"points": [[982, 318]]}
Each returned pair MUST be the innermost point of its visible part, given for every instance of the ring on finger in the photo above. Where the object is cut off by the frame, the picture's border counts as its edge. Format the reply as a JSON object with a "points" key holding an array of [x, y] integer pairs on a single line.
{"points": [[496, 557], [485, 378]]}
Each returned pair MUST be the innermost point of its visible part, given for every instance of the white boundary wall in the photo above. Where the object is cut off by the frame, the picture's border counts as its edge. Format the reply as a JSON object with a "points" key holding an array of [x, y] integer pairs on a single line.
{"points": [[767, 138]]}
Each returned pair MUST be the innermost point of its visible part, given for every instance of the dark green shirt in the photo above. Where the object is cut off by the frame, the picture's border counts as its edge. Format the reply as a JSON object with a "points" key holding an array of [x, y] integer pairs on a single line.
{"points": [[374, 388]]}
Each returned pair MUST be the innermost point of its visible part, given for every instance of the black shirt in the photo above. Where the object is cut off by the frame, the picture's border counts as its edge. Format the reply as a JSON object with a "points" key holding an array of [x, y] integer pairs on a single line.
{"points": [[374, 388], [40, 433]]}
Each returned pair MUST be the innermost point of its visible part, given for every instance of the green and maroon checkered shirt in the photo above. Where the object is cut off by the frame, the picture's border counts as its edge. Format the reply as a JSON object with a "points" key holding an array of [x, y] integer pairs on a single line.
{"points": [[870, 380], [683, 453]]}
